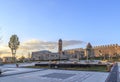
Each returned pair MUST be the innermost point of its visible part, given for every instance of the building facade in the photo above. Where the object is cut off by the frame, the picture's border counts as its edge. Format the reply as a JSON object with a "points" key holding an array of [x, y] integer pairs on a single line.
{"points": [[46, 55]]}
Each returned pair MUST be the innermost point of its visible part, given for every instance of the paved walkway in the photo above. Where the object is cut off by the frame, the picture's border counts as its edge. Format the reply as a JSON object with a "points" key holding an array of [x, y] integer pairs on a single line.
{"points": [[17, 72], [50, 75]]}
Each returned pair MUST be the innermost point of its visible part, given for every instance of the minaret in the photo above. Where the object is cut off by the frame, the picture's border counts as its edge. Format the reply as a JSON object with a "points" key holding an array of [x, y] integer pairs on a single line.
{"points": [[60, 46]]}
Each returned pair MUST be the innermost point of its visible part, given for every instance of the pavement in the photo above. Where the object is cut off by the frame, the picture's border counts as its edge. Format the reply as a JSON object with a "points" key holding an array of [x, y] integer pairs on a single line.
{"points": [[14, 74]]}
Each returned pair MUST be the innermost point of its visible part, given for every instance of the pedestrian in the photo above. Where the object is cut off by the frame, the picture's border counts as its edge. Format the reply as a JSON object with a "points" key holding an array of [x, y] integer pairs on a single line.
{"points": [[17, 65]]}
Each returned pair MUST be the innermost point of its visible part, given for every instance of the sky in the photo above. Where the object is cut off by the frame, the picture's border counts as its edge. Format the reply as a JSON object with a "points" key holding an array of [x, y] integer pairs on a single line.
{"points": [[74, 21]]}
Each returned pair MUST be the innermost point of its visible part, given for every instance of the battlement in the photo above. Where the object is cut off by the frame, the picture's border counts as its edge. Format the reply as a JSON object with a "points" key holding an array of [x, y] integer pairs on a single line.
{"points": [[94, 47], [106, 46]]}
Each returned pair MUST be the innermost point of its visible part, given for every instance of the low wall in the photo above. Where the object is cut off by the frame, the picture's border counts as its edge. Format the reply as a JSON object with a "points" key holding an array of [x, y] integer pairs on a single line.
{"points": [[114, 74], [69, 65]]}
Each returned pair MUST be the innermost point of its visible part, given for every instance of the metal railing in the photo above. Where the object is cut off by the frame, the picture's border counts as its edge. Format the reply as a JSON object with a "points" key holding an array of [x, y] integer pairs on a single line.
{"points": [[114, 74]]}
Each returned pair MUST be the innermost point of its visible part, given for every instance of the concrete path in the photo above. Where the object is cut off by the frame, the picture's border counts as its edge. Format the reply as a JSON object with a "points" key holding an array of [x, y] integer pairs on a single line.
{"points": [[50, 75]]}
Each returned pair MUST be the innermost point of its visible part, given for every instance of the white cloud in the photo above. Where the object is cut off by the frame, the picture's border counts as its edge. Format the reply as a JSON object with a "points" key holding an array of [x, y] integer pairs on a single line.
{"points": [[35, 45]]}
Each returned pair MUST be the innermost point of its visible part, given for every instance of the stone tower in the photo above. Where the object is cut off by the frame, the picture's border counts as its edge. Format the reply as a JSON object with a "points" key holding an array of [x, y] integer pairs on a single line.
{"points": [[60, 46], [89, 51]]}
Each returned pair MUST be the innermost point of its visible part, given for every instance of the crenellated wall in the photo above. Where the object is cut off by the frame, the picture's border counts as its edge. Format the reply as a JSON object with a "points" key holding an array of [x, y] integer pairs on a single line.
{"points": [[106, 46], [110, 50]]}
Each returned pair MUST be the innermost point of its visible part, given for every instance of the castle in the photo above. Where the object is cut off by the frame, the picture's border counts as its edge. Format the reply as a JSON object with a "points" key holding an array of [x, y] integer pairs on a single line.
{"points": [[104, 50]]}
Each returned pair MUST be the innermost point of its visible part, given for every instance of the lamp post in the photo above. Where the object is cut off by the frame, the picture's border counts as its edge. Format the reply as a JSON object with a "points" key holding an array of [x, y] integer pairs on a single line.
{"points": [[109, 57], [78, 55], [49, 60], [59, 58]]}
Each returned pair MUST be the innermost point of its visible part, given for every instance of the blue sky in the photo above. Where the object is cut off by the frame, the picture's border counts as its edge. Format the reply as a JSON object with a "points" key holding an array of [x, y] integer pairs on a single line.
{"points": [[95, 21]]}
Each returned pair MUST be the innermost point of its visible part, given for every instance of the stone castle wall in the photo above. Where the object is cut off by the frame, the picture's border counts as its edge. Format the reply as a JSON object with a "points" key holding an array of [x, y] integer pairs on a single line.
{"points": [[110, 50], [107, 50]]}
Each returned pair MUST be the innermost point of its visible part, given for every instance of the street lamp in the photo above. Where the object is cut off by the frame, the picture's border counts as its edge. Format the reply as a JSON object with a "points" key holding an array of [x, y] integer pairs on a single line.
{"points": [[49, 60]]}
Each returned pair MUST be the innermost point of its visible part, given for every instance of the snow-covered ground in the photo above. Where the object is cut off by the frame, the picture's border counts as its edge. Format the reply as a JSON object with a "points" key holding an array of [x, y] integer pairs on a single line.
{"points": [[49, 75]]}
